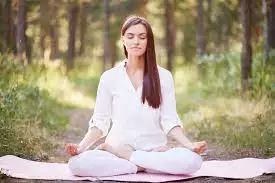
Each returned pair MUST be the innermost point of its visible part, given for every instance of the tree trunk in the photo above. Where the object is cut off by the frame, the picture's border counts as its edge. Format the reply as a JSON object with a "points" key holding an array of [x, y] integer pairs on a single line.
{"points": [[83, 26], [247, 48], [106, 56], [54, 40], [20, 31], [200, 30], [265, 28], [113, 52], [209, 25], [8, 25], [142, 8], [200, 36], [226, 26], [271, 24], [53, 32], [170, 33], [73, 11], [43, 25]]}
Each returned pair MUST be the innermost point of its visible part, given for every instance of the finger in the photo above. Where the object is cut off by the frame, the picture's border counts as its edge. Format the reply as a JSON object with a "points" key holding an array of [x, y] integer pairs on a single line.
{"points": [[197, 150], [203, 150]]}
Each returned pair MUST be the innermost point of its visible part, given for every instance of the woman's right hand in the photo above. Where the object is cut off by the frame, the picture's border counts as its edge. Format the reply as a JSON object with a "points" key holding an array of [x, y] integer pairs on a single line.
{"points": [[72, 149]]}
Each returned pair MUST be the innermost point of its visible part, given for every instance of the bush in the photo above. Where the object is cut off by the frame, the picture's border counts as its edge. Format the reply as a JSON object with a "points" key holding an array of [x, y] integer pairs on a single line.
{"points": [[28, 114], [212, 107], [221, 74]]}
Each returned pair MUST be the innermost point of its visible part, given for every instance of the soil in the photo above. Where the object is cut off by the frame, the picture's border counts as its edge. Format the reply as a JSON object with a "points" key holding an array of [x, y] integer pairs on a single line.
{"points": [[78, 126]]}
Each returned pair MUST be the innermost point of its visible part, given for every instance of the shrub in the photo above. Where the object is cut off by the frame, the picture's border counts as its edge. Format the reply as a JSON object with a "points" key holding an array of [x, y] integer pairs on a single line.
{"points": [[28, 114]]}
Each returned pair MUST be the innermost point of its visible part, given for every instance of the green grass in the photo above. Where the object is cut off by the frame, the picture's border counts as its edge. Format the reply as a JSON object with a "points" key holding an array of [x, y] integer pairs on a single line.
{"points": [[213, 108], [34, 101], [29, 114]]}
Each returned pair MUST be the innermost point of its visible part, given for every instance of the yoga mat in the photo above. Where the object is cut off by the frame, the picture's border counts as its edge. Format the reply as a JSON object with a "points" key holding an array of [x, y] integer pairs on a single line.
{"points": [[236, 169]]}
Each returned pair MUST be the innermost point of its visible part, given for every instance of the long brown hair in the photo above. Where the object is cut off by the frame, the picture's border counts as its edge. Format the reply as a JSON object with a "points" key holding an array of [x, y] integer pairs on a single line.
{"points": [[151, 83]]}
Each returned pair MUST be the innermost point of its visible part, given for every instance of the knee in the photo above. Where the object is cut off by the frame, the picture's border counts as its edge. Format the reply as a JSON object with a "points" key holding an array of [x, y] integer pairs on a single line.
{"points": [[75, 165], [189, 163], [194, 163], [80, 165]]}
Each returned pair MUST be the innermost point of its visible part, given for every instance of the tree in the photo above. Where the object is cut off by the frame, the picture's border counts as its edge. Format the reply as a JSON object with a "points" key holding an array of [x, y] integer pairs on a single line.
{"points": [[208, 25], [73, 12], [44, 24], [271, 23], [83, 26], [246, 62], [200, 30], [54, 27], [20, 31], [200, 35], [106, 56], [266, 46], [8, 25], [226, 28], [170, 33]]}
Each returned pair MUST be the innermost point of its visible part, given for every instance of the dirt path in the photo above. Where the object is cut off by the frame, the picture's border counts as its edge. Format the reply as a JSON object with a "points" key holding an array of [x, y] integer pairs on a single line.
{"points": [[78, 126]]}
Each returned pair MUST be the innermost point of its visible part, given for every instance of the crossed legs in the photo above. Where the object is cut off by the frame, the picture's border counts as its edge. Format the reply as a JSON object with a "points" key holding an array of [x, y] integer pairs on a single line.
{"points": [[109, 161]]}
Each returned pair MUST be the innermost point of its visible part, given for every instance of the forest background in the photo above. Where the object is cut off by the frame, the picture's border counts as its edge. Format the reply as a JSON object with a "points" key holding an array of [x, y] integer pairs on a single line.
{"points": [[221, 53]]}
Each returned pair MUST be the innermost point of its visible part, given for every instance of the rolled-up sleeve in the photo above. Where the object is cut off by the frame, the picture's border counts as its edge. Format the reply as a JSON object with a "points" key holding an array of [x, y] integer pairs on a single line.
{"points": [[101, 117], [169, 116]]}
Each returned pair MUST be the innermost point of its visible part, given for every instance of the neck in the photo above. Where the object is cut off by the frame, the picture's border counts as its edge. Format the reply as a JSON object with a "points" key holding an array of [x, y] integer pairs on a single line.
{"points": [[135, 63]]}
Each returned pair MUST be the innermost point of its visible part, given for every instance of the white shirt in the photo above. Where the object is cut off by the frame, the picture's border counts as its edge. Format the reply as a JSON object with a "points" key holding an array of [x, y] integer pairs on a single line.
{"points": [[136, 124]]}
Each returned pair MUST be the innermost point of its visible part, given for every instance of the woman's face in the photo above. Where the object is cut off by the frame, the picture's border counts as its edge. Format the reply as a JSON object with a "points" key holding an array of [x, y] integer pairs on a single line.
{"points": [[135, 40]]}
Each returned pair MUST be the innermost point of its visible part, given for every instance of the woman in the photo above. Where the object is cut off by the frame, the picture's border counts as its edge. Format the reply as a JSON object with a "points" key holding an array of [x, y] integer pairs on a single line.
{"points": [[138, 97]]}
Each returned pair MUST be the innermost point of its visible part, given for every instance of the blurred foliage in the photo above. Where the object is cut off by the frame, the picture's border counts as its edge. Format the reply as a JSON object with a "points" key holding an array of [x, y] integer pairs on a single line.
{"points": [[28, 114], [222, 72], [212, 107], [33, 98]]}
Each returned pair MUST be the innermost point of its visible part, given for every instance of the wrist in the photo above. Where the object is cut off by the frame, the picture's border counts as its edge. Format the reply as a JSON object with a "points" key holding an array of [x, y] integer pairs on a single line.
{"points": [[188, 145], [79, 149]]}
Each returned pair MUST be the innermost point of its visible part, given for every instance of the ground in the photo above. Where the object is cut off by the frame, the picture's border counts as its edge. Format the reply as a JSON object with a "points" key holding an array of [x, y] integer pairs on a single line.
{"points": [[78, 126]]}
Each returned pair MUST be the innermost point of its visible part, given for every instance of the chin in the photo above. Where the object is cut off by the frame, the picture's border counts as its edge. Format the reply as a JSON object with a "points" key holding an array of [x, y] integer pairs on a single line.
{"points": [[136, 54]]}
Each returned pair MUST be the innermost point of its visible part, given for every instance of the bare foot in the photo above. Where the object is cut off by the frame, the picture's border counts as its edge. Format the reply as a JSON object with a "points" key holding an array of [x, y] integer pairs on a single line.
{"points": [[161, 149], [123, 151]]}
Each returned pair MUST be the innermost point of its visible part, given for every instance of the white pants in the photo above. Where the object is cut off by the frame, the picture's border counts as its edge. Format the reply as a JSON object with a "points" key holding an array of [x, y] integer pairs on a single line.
{"points": [[101, 163]]}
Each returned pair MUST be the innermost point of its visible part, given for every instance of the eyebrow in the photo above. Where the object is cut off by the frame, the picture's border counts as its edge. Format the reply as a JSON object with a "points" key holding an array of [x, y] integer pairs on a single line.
{"points": [[129, 33]]}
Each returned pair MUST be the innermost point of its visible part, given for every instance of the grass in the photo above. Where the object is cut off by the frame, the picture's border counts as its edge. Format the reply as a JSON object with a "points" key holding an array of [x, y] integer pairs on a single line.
{"points": [[224, 116], [34, 102]]}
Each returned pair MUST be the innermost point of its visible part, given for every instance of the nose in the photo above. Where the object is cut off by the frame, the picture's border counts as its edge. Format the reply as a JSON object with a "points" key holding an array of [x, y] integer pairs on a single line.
{"points": [[136, 40]]}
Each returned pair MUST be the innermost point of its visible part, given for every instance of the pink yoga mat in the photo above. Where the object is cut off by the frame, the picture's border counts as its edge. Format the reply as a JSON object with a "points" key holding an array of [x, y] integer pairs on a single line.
{"points": [[239, 169]]}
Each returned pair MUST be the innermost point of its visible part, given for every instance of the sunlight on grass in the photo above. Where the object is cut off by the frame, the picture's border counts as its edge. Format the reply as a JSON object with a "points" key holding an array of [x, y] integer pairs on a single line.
{"points": [[233, 108], [222, 116], [63, 90], [193, 105]]}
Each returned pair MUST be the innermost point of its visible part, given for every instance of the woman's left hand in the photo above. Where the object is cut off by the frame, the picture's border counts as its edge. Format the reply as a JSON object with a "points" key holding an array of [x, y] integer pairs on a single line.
{"points": [[198, 147]]}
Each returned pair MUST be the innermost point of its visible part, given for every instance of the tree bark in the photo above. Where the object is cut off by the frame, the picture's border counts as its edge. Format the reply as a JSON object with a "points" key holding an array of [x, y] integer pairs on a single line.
{"points": [[271, 24], [265, 28], [106, 56], [53, 32], [226, 26], [73, 11], [246, 62], [170, 33], [113, 52], [20, 32], [54, 40], [200, 30], [8, 25], [209, 26], [142, 8], [83, 26], [43, 24]]}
